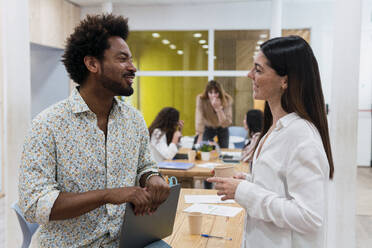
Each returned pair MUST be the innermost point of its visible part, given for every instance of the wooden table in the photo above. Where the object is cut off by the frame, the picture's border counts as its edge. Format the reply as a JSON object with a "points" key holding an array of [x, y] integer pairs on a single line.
{"points": [[199, 172], [212, 225]]}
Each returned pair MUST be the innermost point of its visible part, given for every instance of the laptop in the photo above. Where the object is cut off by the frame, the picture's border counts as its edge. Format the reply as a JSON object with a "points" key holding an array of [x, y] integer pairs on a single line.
{"points": [[139, 231], [175, 165]]}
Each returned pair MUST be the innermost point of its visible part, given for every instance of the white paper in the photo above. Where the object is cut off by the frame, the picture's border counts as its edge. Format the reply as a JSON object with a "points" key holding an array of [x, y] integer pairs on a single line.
{"points": [[208, 165], [234, 154], [214, 210], [206, 199]]}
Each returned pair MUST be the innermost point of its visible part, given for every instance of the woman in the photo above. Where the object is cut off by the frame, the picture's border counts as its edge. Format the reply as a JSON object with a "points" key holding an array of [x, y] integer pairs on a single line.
{"points": [[252, 123], [165, 132], [286, 196], [213, 114]]}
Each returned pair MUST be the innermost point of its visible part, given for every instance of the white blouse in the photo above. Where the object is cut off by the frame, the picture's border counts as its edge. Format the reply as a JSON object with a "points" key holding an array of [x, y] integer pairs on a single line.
{"points": [[286, 196], [159, 148]]}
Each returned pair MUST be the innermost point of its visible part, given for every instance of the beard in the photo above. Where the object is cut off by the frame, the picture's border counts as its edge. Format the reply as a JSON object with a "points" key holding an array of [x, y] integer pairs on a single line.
{"points": [[116, 86]]}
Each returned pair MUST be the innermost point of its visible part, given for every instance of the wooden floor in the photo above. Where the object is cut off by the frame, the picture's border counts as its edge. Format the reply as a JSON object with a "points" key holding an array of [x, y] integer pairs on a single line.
{"points": [[363, 210]]}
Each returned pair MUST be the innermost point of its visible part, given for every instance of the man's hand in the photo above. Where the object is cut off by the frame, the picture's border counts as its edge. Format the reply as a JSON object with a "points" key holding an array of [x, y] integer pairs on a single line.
{"points": [[225, 186], [139, 197], [159, 191]]}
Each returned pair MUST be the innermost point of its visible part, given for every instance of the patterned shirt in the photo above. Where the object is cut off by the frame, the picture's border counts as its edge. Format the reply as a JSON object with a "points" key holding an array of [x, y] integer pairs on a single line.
{"points": [[65, 151]]}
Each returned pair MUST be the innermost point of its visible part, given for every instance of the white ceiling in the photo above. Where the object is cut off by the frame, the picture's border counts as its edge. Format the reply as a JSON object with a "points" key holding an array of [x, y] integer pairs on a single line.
{"points": [[173, 2]]}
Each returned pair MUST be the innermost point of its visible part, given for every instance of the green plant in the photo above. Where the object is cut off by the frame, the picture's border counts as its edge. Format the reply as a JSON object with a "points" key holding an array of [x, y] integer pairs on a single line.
{"points": [[206, 148]]}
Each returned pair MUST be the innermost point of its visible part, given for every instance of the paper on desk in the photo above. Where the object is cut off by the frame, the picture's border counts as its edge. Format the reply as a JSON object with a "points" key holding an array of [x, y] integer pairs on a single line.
{"points": [[214, 210], [208, 165], [205, 199], [234, 154]]}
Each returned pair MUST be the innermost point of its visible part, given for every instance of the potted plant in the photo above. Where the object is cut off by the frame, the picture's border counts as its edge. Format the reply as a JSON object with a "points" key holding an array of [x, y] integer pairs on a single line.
{"points": [[205, 150]]}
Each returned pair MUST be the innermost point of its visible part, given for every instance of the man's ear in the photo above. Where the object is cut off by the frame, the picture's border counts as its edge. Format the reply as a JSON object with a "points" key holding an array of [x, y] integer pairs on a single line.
{"points": [[92, 64], [284, 85]]}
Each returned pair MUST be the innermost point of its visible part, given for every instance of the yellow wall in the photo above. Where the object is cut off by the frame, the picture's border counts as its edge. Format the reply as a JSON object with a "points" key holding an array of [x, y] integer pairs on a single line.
{"points": [[155, 93]]}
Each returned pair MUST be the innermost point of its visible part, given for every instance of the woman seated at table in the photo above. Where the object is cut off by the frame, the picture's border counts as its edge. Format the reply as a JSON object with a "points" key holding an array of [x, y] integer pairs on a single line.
{"points": [[253, 124], [165, 133]]}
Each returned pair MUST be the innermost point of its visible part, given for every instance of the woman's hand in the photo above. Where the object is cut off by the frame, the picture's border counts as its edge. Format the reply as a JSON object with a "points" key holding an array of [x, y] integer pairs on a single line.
{"points": [[180, 125], [176, 137], [216, 103], [240, 175], [225, 186]]}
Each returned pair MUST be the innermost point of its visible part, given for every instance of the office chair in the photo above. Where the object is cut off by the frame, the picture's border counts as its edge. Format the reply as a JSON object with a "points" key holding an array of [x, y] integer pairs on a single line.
{"points": [[28, 229], [240, 132]]}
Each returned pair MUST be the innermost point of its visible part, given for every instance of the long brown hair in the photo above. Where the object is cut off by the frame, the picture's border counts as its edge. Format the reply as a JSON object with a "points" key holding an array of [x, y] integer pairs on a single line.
{"points": [[214, 85], [166, 120], [292, 56]]}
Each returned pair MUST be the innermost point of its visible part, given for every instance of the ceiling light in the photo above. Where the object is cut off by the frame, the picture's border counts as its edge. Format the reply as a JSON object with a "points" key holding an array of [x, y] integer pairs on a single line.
{"points": [[179, 52], [205, 46], [260, 42], [202, 41], [215, 57], [165, 42], [197, 35], [263, 36], [155, 35], [257, 47], [171, 46]]}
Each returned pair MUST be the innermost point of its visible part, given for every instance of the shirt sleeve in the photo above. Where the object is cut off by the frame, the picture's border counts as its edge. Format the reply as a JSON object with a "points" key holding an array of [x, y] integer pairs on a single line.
{"points": [[145, 160], [303, 209], [159, 142], [38, 188], [199, 119]]}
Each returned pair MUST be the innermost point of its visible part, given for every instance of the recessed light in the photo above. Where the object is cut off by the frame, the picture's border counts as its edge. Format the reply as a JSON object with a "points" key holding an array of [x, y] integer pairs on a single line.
{"points": [[197, 35], [205, 46], [257, 47], [171, 46], [155, 35], [202, 41], [179, 52], [260, 42], [165, 42], [215, 57]]}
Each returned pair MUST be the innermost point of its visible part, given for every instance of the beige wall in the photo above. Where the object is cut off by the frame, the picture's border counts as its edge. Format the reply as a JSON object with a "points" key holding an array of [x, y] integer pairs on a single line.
{"points": [[51, 21]]}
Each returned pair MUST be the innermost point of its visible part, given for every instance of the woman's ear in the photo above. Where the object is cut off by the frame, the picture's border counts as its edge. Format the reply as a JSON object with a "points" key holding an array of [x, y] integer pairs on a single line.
{"points": [[284, 82], [92, 64]]}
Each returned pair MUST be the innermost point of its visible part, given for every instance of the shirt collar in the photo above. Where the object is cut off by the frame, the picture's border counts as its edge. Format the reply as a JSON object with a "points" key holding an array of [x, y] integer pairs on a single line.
{"points": [[286, 120], [78, 104]]}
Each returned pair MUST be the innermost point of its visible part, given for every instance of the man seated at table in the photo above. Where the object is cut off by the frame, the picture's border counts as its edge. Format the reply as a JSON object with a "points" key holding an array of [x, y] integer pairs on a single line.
{"points": [[84, 156]]}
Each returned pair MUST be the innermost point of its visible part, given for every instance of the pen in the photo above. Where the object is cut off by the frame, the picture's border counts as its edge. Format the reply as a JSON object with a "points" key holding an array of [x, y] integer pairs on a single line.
{"points": [[211, 236]]}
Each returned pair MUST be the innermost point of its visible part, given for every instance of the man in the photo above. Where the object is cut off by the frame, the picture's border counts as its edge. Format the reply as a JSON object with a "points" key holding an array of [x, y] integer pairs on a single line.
{"points": [[84, 155]]}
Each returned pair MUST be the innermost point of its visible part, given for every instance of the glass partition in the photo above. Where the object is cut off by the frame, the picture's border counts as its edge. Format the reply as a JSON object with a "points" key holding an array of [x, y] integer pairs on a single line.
{"points": [[169, 50], [156, 93]]}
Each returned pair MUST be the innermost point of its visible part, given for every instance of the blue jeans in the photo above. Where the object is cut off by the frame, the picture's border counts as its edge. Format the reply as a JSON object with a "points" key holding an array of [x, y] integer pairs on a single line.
{"points": [[158, 244]]}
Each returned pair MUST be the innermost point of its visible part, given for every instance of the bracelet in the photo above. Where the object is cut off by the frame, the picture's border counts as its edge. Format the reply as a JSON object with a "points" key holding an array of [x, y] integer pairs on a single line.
{"points": [[151, 175]]}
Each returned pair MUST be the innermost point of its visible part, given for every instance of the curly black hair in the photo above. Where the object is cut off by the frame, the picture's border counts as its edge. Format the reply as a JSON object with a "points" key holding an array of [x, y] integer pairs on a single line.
{"points": [[90, 38]]}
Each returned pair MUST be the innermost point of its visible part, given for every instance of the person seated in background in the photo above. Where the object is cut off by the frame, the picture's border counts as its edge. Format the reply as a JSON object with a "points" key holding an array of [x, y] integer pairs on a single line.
{"points": [[253, 124], [165, 134], [213, 114]]}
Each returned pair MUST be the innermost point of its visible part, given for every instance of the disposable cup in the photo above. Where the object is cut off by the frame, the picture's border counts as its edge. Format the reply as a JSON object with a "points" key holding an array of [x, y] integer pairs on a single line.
{"points": [[224, 171], [195, 223], [191, 156]]}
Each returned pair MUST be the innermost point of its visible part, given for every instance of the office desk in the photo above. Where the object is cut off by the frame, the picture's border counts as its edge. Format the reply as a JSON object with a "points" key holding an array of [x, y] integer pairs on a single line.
{"points": [[199, 172], [212, 225]]}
